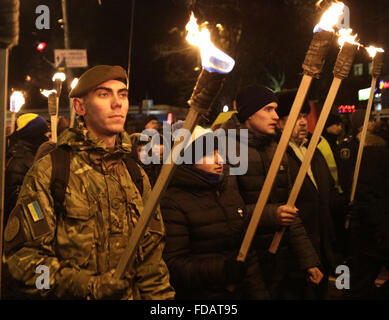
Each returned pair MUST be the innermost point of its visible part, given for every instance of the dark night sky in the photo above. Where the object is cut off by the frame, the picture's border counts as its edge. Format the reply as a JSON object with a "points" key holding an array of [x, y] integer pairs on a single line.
{"points": [[104, 32]]}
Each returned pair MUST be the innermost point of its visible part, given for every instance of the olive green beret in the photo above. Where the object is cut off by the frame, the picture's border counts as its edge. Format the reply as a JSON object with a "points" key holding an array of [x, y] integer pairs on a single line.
{"points": [[95, 76]]}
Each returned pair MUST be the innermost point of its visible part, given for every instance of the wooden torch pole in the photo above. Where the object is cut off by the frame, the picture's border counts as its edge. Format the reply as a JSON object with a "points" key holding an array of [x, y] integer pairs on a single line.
{"points": [[207, 87], [341, 71], [312, 66], [376, 72]]}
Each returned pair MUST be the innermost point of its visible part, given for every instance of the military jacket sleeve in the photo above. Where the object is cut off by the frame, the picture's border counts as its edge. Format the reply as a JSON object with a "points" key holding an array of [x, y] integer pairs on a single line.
{"points": [[152, 273], [30, 232], [71, 249]]}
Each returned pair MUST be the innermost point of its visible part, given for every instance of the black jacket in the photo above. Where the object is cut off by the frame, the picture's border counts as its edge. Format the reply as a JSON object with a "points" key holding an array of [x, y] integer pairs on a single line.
{"points": [[205, 223], [19, 159], [261, 150], [314, 204], [370, 212]]}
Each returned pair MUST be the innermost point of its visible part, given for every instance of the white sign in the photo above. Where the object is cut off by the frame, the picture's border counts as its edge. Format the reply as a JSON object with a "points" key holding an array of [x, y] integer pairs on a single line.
{"points": [[70, 58]]}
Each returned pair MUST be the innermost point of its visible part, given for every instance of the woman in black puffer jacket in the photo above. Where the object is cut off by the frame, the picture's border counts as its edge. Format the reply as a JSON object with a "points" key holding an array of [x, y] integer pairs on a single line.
{"points": [[206, 219]]}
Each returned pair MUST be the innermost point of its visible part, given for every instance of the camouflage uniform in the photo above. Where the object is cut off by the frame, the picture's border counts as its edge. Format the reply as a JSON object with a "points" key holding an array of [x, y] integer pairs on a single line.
{"points": [[102, 207]]}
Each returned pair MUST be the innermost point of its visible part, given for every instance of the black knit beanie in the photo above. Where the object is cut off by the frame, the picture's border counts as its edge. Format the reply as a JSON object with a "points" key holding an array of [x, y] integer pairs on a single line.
{"points": [[358, 118], [250, 99], [149, 118], [285, 103], [332, 119]]}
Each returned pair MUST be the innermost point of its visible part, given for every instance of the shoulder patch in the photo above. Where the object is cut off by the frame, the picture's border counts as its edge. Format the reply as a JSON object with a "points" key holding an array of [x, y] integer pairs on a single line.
{"points": [[14, 234], [12, 228], [35, 211], [36, 219]]}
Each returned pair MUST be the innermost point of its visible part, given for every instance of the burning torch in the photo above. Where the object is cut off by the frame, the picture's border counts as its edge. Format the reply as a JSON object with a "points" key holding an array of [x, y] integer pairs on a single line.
{"points": [[312, 67], [216, 65], [16, 102], [51, 96], [377, 54], [72, 111], [53, 105], [341, 70]]}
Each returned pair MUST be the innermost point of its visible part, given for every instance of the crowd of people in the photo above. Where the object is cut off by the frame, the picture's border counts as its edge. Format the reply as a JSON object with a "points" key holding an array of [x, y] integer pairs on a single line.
{"points": [[72, 205]]}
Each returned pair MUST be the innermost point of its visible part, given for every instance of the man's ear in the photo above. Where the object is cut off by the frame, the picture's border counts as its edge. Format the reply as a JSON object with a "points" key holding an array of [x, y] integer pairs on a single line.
{"points": [[78, 105]]}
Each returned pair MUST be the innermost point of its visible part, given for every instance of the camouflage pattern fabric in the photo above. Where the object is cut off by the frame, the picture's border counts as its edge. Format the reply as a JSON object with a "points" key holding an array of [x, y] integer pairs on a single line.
{"points": [[102, 207]]}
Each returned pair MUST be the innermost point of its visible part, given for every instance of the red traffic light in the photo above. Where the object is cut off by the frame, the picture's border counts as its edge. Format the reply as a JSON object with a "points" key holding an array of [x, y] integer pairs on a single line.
{"points": [[41, 46]]}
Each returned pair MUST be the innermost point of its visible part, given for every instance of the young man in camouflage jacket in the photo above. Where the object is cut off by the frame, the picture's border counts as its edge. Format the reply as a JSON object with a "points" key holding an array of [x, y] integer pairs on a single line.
{"points": [[82, 246]]}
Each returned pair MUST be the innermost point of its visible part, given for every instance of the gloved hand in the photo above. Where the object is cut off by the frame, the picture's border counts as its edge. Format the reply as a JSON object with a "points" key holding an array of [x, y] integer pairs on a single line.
{"points": [[106, 286], [234, 271]]}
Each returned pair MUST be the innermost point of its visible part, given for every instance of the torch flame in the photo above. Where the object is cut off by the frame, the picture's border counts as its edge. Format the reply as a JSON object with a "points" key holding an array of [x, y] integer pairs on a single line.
{"points": [[346, 36], [16, 101], [46, 93], [212, 59], [373, 51], [330, 17], [59, 76], [74, 83]]}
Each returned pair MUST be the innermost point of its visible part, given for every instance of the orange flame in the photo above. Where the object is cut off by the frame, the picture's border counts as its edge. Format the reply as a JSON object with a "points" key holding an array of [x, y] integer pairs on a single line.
{"points": [[373, 50], [318, 4], [212, 59], [46, 93], [330, 17], [346, 36]]}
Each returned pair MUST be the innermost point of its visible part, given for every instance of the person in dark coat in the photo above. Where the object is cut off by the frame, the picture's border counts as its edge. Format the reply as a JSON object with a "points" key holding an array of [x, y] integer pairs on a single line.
{"points": [[256, 107], [205, 220], [329, 147], [140, 140], [369, 221], [313, 202], [28, 136], [48, 146]]}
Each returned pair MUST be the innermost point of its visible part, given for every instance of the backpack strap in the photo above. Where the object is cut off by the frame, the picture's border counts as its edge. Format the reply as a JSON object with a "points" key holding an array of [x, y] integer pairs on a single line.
{"points": [[135, 173], [60, 161]]}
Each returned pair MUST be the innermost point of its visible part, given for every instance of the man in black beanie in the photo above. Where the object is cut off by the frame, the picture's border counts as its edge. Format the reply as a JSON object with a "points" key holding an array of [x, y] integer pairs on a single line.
{"points": [[257, 113], [329, 147]]}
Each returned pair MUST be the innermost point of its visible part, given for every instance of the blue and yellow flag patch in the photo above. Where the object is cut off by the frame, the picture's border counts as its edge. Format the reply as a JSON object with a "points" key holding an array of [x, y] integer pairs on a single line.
{"points": [[35, 211]]}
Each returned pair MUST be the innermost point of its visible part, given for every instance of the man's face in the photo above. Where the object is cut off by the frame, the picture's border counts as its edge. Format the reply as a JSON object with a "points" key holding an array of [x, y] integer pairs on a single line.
{"points": [[300, 130], [212, 163], [335, 129], [105, 108], [264, 120], [153, 124]]}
